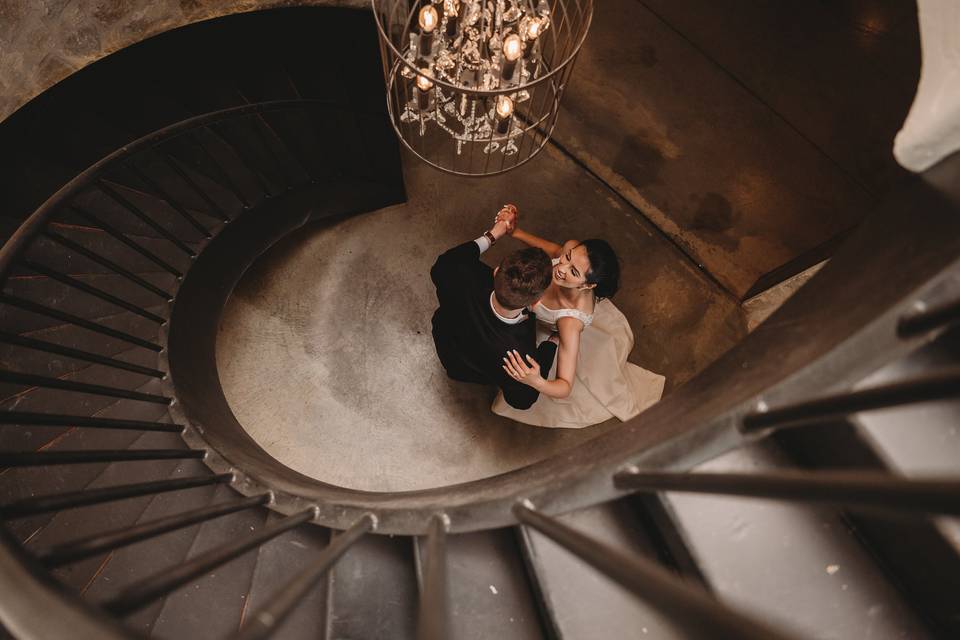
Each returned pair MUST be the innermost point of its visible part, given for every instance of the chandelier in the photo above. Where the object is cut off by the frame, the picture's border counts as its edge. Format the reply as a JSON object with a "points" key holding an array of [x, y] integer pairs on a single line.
{"points": [[474, 86]]}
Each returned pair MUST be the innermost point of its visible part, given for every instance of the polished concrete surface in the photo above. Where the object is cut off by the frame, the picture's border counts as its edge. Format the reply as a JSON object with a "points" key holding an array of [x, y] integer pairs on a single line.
{"points": [[325, 352], [713, 144], [751, 132]]}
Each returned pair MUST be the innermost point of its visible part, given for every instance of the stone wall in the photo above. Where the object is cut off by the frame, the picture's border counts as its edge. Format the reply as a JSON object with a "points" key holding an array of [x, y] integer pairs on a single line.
{"points": [[44, 41]]}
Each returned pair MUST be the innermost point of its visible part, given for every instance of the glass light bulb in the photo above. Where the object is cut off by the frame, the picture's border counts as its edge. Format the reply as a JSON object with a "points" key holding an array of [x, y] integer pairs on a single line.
{"points": [[428, 18], [533, 29], [512, 47], [423, 82], [504, 106]]}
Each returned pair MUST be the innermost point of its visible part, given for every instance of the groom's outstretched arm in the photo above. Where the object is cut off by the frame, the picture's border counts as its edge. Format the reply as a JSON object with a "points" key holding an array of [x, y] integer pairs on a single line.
{"points": [[446, 270]]}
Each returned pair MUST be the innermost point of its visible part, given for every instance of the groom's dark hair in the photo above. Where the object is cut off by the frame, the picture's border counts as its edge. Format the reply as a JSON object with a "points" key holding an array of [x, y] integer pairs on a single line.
{"points": [[522, 278]]}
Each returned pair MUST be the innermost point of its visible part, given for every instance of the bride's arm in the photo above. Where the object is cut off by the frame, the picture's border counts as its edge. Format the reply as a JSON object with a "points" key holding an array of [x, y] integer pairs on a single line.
{"points": [[552, 248], [529, 372], [560, 387]]}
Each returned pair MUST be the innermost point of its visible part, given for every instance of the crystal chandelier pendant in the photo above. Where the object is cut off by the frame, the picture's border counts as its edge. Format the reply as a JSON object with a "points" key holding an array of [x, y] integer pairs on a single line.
{"points": [[474, 86]]}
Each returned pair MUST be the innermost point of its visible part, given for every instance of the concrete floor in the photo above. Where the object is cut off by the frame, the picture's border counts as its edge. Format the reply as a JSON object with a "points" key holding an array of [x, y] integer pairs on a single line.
{"points": [[726, 144], [325, 351], [750, 132]]}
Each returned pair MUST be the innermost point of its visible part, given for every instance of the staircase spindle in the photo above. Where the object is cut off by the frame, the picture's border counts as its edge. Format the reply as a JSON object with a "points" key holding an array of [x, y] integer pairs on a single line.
{"points": [[165, 196], [433, 619], [30, 380], [929, 319], [106, 262], [160, 584], [93, 422], [56, 314], [77, 354], [268, 619], [56, 502], [43, 458], [848, 488], [115, 539], [122, 237], [115, 195], [90, 289], [190, 182], [244, 159], [937, 386]]}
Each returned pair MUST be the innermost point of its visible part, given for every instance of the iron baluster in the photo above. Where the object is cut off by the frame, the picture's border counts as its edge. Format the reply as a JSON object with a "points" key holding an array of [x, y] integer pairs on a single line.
{"points": [[69, 318], [147, 220], [87, 497], [266, 620], [166, 197], [689, 608], [50, 347], [847, 488], [174, 164], [30, 380], [41, 458], [928, 319], [433, 619], [117, 538], [60, 420], [145, 591], [90, 289], [937, 386], [106, 262], [122, 237]]}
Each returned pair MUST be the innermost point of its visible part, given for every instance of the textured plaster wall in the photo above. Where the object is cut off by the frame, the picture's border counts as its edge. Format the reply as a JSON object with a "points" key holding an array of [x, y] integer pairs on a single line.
{"points": [[44, 41]]}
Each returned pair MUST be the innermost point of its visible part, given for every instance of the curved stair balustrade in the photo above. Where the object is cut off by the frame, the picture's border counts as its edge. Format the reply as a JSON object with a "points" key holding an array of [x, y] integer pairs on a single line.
{"points": [[199, 200]]}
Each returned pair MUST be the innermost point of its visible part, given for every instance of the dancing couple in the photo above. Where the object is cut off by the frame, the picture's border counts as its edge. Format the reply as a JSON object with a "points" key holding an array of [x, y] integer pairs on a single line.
{"points": [[540, 327]]}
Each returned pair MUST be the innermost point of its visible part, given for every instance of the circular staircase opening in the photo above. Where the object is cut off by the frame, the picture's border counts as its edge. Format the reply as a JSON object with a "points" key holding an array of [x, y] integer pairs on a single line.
{"points": [[325, 353]]}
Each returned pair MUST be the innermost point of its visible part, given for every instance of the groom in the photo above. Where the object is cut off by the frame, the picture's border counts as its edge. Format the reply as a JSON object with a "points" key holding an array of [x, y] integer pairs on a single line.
{"points": [[482, 315]]}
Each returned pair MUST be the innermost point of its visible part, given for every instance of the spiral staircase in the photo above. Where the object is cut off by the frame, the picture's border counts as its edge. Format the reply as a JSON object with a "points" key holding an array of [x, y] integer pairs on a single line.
{"points": [[135, 504]]}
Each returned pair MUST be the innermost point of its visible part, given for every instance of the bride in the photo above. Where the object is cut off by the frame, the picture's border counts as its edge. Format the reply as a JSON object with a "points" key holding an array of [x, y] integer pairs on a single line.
{"points": [[591, 380]]}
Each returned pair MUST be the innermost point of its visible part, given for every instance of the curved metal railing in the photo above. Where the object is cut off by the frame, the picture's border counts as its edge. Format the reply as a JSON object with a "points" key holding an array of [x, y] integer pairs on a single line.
{"points": [[235, 160]]}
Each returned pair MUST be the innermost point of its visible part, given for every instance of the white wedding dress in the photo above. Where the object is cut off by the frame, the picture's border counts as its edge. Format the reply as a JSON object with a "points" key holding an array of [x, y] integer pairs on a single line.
{"points": [[606, 385]]}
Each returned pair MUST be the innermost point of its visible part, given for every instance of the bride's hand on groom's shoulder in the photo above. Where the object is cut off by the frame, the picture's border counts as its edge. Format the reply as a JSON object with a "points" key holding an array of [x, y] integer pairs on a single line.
{"points": [[527, 372]]}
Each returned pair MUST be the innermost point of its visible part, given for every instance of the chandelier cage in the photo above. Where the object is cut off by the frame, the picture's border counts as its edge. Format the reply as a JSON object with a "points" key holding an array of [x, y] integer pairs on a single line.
{"points": [[474, 86]]}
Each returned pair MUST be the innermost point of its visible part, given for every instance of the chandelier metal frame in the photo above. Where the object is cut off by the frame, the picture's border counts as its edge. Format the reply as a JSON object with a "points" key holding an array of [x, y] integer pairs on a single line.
{"points": [[474, 86]]}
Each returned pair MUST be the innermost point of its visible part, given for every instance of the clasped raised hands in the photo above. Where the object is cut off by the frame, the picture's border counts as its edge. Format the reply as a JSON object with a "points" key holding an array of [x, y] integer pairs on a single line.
{"points": [[508, 215]]}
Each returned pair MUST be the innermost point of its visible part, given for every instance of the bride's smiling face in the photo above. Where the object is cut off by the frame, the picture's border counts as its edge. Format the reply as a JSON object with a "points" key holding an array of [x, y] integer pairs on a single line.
{"points": [[571, 271]]}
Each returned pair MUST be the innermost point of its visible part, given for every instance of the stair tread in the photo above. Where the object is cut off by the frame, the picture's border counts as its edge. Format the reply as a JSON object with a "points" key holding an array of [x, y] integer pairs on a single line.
{"points": [[20, 396], [26, 322], [211, 605], [489, 593], [24, 482], [278, 562], [373, 590], [931, 444], [56, 295], [580, 602], [797, 566], [34, 361], [52, 254], [43, 400], [137, 562], [73, 524]]}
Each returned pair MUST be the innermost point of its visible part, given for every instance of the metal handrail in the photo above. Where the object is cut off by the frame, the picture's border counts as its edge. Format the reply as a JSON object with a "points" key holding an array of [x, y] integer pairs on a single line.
{"points": [[34, 224], [558, 484]]}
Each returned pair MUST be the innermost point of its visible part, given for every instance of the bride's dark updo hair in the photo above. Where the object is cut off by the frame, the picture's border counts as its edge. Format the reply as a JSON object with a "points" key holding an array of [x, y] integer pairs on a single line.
{"points": [[604, 268]]}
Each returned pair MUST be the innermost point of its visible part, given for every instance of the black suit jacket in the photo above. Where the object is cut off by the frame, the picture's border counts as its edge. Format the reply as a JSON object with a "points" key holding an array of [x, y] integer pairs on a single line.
{"points": [[471, 341]]}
